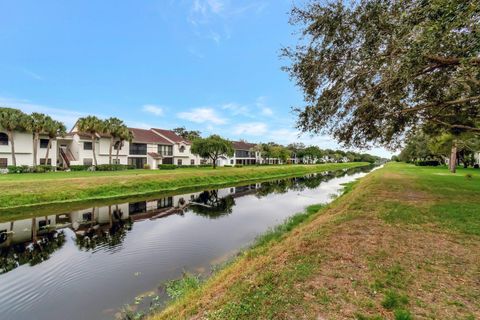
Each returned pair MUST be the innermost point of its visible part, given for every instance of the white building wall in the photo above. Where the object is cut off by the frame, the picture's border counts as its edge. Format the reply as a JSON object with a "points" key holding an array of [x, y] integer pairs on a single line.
{"points": [[23, 149]]}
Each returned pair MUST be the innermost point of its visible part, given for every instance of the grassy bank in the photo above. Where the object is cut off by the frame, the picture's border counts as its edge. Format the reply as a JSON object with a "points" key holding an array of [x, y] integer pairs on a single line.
{"points": [[66, 187], [402, 243]]}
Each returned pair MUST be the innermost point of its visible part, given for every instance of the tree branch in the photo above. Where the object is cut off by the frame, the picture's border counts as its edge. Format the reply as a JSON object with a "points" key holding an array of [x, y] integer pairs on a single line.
{"points": [[441, 104], [452, 60], [458, 126]]}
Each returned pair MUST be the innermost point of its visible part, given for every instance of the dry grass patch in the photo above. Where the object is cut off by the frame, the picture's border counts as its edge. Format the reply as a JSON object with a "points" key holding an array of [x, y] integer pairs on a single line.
{"points": [[355, 261]]}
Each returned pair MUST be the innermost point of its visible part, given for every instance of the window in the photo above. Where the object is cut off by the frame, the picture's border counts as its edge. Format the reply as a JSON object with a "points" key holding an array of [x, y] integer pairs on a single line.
{"points": [[44, 143], [179, 162], [3, 162], [165, 203], [165, 150], [87, 146], [138, 148], [231, 161], [42, 161], [181, 149], [137, 207], [87, 162], [116, 161], [3, 139], [43, 223], [138, 163], [242, 154], [87, 216], [192, 162]]}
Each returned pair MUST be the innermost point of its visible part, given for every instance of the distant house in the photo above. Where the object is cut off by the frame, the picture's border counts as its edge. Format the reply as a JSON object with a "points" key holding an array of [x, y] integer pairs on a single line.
{"points": [[244, 154]]}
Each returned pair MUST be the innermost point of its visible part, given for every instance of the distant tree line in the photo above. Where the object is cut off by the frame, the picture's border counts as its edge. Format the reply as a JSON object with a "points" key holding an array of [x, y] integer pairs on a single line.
{"points": [[437, 147]]}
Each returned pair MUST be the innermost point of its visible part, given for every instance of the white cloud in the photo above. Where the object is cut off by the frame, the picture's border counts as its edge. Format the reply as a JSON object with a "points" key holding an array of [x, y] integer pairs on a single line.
{"points": [[265, 110], [153, 109], [32, 74], [251, 129], [202, 115], [237, 109], [204, 15]]}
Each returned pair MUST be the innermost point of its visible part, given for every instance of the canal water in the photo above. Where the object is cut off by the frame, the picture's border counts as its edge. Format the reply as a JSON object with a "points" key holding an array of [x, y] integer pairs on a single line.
{"points": [[92, 263]]}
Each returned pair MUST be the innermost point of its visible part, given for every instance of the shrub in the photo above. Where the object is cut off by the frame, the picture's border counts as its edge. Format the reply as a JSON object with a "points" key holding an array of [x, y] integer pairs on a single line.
{"points": [[205, 165], [476, 166], [79, 168], [228, 166], [19, 169], [394, 300], [238, 165], [180, 287], [167, 167], [401, 314], [43, 168], [114, 167], [146, 166], [427, 163]]}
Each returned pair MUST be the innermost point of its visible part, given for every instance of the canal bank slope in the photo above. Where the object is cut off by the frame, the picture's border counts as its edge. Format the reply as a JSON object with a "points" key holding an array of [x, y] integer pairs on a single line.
{"points": [[23, 190], [402, 243]]}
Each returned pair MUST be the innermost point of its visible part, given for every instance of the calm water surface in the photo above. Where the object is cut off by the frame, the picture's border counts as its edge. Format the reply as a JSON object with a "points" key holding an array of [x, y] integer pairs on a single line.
{"points": [[90, 263]]}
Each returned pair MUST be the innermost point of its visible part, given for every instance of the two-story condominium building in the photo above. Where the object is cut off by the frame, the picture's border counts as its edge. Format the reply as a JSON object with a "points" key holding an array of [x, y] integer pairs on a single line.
{"points": [[24, 149], [149, 147], [243, 154]]}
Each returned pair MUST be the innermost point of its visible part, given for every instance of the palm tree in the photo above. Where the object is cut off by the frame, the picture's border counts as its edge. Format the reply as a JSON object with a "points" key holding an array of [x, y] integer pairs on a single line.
{"points": [[113, 127], [93, 126], [123, 134], [38, 124], [53, 129], [13, 120]]}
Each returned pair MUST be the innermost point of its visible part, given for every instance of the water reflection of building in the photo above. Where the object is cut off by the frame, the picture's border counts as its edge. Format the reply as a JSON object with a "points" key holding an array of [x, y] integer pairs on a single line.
{"points": [[27, 230]]}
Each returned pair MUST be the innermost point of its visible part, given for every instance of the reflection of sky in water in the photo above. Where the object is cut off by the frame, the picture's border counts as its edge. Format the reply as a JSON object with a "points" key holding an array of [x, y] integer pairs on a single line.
{"points": [[95, 284]]}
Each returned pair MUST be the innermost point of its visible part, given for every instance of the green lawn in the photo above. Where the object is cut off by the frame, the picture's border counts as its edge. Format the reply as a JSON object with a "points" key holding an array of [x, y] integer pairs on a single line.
{"points": [[22, 190], [402, 243]]}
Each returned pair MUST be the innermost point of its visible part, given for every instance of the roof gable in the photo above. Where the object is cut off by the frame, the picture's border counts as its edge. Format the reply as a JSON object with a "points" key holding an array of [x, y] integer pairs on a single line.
{"points": [[148, 136]]}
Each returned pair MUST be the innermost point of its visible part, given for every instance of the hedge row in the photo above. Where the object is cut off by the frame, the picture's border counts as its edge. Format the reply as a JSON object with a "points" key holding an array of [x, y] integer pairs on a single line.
{"points": [[102, 167], [28, 169], [427, 163]]}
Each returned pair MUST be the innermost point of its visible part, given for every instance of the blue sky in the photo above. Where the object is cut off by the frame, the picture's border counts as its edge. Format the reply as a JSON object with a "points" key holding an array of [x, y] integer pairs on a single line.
{"points": [[210, 65]]}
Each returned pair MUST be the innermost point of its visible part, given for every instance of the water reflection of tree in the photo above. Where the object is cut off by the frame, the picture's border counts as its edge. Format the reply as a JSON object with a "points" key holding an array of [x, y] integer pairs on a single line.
{"points": [[210, 204], [311, 181], [108, 235], [34, 253]]}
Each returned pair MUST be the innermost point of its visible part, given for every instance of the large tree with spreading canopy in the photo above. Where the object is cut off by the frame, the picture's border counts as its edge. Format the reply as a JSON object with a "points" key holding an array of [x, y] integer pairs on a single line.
{"points": [[375, 71]]}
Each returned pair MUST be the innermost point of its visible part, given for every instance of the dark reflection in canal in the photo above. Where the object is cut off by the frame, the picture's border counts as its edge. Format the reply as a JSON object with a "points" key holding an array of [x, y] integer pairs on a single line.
{"points": [[103, 257]]}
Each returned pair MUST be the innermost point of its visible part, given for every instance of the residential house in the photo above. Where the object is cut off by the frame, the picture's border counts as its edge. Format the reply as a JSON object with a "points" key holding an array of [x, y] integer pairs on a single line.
{"points": [[24, 149], [244, 154], [151, 147]]}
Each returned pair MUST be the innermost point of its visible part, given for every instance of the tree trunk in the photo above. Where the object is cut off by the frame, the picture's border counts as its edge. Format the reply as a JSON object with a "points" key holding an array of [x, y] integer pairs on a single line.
{"points": [[453, 157], [214, 162], [120, 144], [35, 148], [93, 150], [34, 230], [12, 143], [47, 155], [110, 151]]}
